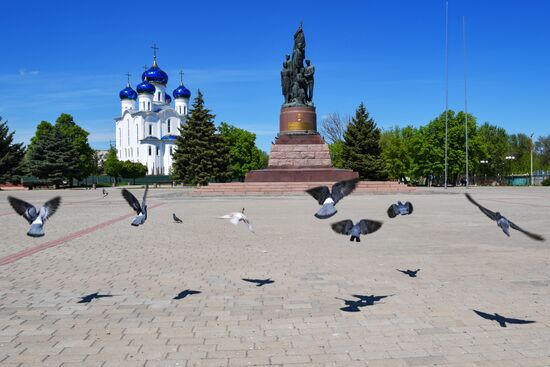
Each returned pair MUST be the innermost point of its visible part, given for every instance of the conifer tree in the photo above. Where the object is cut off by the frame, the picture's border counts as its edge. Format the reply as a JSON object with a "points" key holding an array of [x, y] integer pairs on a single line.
{"points": [[11, 155], [201, 154], [54, 157], [361, 150], [79, 138]]}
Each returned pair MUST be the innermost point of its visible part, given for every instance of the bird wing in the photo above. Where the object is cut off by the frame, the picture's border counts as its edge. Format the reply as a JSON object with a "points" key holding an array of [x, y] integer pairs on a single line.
{"points": [[369, 226], [320, 193], [50, 207], [131, 199], [484, 210], [144, 202], [342, 227], [485, 315], [517, 321], [534, 236], [21, 207], [247, 222], [392, 211], [343, 188], [409, 206]]}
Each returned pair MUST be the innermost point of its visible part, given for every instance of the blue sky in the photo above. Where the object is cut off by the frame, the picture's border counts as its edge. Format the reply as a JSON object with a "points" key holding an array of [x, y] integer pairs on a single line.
{"points": [[72, 56]]}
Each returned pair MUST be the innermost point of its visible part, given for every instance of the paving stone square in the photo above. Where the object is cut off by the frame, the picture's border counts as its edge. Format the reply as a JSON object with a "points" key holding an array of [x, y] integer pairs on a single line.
{"points": [[325, 306]]}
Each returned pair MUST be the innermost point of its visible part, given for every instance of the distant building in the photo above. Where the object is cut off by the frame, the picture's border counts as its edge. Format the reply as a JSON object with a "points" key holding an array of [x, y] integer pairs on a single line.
{"points": [[101, 155], [147, 134]]}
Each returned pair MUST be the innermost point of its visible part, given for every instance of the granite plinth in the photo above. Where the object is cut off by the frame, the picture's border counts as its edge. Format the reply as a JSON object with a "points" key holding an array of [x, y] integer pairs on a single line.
{"points": [[300, 175], [297, 119]]}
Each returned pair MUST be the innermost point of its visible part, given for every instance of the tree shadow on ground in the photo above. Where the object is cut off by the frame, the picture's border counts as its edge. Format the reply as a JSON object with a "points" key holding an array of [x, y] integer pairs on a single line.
{"points": [[502, 321], [90, 297], [185, 293], [259, 282], [363, 301]]}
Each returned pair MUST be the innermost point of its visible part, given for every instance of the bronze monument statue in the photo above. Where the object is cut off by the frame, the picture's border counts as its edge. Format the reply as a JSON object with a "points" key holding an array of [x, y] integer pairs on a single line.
{"points": [[297, 80]]}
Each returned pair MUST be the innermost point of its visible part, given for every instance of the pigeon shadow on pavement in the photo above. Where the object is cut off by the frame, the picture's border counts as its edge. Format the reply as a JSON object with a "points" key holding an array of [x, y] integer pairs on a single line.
{"points": [[411, 273], [502, 321], [259, 282], [185, 293], [90, 297], [362, 301]]}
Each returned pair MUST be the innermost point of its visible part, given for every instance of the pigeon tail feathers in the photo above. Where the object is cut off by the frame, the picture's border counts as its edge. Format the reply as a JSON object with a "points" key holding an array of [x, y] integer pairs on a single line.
{"points": [[326, 211], [36, 230]]}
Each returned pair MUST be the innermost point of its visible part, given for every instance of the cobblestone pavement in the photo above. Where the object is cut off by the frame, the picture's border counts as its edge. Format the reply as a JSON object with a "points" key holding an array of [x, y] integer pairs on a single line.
{"points": [[323, 308]]}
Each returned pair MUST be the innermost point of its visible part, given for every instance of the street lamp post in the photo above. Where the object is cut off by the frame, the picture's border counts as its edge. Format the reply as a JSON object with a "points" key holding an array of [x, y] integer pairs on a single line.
{"points": [[510, 158], [484, 162]]}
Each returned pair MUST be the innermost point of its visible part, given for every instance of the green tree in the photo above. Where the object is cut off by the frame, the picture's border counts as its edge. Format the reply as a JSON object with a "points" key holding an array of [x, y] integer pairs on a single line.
{"points": [[494, 145], [336, 150], [202, 154], [361, 151], [79, 138], [398, 151], [542, 149], [43, 128], [132, 170], [53, 157], [112, 166], [520, 148], [11, 155], [244, 156]]}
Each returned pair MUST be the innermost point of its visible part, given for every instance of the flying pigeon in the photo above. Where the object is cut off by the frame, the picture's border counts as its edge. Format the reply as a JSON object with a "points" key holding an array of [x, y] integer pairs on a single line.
{"points": [[237, 217], [502, 321], [185, 293], [328, 199], [400, 209], [105, 193], [503, 222], [36, 218], [176, 219], [141, 210], [364, 226]]}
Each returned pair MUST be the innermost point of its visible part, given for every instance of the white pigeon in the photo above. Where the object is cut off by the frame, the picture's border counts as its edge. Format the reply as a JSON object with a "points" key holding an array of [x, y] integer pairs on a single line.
{"points": [[237, 217]]}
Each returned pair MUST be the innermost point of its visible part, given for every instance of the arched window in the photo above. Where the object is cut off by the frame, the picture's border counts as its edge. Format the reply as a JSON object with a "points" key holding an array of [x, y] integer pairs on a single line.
{"points": [[185, 110], [149, 150], [150, 129], [158, 96], [137, 134], [168, 126], [148, 106], [158, 151]]}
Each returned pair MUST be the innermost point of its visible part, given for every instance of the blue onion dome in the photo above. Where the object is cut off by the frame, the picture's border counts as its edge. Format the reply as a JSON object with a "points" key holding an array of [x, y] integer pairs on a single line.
{"points": [[181, 92], [128, 93], [155, 74], [146, 87], [167, 98]]}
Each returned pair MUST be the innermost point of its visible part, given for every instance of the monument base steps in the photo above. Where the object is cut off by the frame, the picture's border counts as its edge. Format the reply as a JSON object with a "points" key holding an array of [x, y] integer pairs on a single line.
{"points": [[293, 188]]}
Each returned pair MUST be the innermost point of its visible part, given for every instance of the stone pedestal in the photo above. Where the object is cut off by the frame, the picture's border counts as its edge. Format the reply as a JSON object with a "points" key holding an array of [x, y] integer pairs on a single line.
{"points": [[299, 153]]}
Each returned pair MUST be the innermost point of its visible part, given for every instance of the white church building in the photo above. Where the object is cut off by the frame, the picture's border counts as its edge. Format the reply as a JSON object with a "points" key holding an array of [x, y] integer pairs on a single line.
{"points": [[146, 132]]}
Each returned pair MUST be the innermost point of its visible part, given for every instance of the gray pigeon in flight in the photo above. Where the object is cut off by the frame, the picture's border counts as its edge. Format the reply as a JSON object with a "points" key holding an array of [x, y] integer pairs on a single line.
{"points": [[328, 199], [364, 226], [504, 223], [105, 193], [141, 210], [400, 209], [36, 218], [176, 219]]}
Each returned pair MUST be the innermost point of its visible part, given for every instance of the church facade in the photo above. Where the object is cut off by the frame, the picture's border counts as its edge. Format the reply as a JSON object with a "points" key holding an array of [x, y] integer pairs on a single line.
{"points": [[149, 122]]}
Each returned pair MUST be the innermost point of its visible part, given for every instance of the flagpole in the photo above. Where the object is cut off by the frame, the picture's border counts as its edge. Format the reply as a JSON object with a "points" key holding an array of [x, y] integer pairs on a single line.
{"points": [[465, 99], [446, 85]]}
